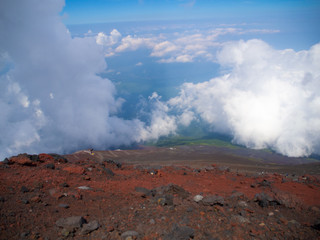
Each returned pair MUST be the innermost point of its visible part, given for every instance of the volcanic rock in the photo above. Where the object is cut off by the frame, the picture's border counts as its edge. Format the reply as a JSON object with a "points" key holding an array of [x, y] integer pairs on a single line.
{"points": [[128, 235], [180, 233], [212, 200], [71, 222], [264, 200], [89, 227]]}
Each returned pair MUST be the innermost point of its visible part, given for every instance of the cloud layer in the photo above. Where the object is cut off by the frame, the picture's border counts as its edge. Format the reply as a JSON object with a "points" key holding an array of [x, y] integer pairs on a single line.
{"points": [[267, 98], [181, 46]]}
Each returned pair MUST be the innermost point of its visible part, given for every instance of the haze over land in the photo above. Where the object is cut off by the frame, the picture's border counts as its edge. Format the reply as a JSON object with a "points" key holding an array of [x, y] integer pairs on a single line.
{"points": [[65, 86]]}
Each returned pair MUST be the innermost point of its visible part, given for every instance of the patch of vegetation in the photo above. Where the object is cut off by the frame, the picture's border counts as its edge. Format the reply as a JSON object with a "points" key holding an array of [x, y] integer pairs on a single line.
{"points": [[192, 141]]}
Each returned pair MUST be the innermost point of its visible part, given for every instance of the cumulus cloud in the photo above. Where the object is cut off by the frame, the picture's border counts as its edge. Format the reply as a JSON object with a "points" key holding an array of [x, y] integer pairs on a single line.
{"points": [[185, 46], [267, 98], [162, 123], [132, 43], [51, 98]]}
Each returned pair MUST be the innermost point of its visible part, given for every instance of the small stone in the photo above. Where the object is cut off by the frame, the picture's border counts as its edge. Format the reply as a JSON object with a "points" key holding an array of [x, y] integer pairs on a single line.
{"points": [[261, 224], [180, 233], [65, 185], [240, 219], [24, 189], [35, 199], [24, 234], [197, 198], [165, 200], [264, 183], [270, 214], [213, 200], [242, 204], [90, 227], [63, 205], [73, 222], [152, 221], [85, 188], [129, 235]]}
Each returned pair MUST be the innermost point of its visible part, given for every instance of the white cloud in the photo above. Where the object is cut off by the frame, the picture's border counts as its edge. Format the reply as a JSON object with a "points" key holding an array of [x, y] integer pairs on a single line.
{"points": [[161, 123], [269, 98], [51, 98], [130, 43], [186, 46]]}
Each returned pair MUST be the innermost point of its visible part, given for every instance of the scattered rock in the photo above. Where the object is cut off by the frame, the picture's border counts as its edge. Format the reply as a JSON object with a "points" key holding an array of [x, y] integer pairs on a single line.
{"points": [[165, 200], [25, 234], [152, 221], [85, 188], [128, 235], [180, 233], [65, 185], [171, 189], [264, 200], [25, 201], [35, 199], [264, 183], [242, 204], [197, 198], [63, 205], [70, 222], [213, 200], [87, 178], [239, 219], [89, 227]]}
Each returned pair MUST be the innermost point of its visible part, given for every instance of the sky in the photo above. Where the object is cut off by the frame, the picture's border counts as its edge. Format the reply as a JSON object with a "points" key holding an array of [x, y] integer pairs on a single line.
{"points": [[86, 11], [107, 74]]}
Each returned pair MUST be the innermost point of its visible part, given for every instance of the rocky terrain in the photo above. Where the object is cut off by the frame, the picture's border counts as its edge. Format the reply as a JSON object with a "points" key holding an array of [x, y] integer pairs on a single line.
{"points": [[105, 195]]}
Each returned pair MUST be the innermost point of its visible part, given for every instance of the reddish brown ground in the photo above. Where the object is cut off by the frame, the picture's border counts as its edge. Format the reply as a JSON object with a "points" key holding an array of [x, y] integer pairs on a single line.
{"points": [[31, 194]]}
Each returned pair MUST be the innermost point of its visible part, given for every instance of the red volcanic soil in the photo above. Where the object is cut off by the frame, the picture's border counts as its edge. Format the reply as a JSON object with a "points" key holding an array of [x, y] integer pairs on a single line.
{"points": [[107, 196]]}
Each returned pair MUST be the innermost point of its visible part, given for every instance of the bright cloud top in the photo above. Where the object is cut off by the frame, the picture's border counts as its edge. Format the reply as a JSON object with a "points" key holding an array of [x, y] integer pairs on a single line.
{"points": [[268, 98]]}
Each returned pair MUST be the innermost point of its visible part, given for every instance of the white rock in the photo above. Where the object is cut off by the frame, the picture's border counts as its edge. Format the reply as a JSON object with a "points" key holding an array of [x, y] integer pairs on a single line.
{"points": [[197, 198]]}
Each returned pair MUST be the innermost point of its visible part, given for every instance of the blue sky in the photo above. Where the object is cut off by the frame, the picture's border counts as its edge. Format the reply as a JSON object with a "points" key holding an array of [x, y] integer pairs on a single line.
{"points": [[88, 11]]}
